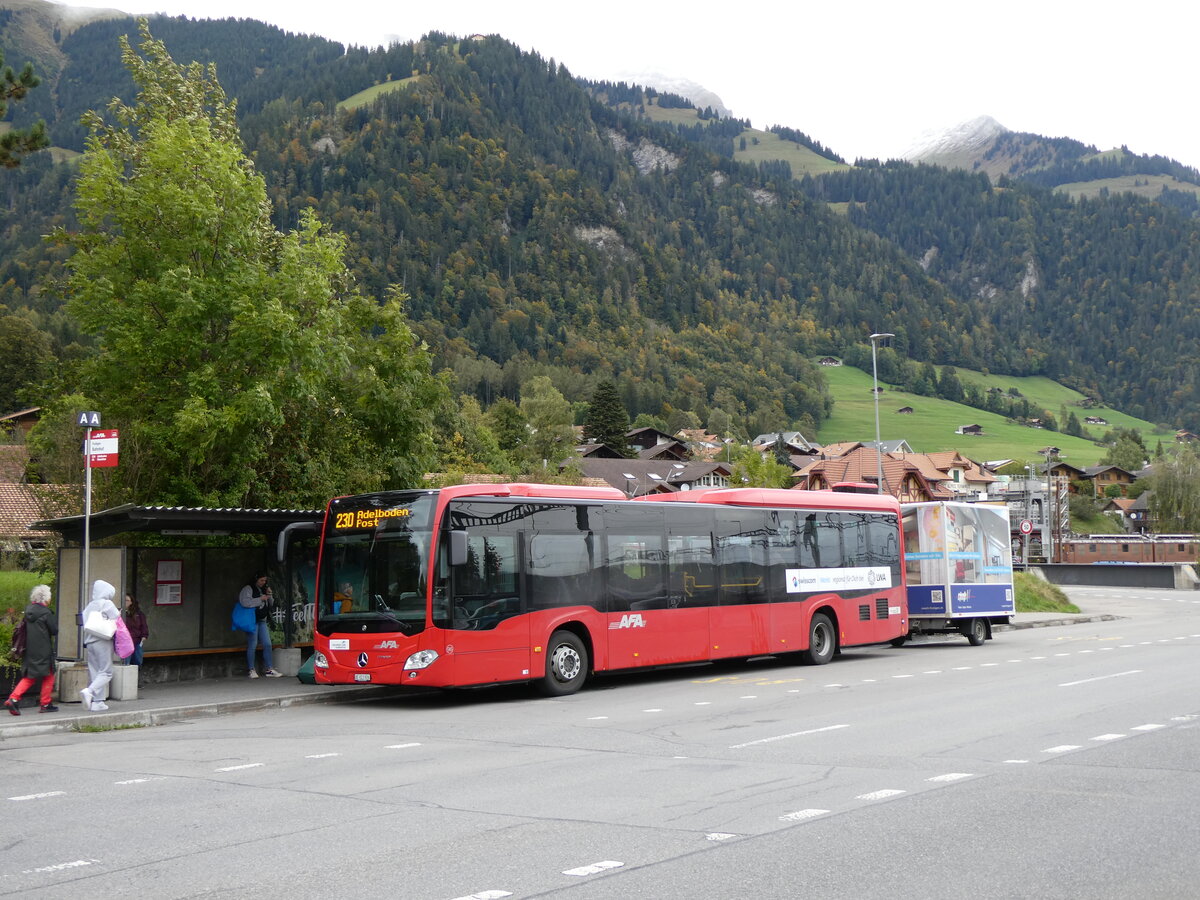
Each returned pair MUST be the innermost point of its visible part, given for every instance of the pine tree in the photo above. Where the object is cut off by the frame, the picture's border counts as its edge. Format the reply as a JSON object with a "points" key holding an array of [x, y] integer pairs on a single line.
{"points": [[607, 421], [13, 143]]}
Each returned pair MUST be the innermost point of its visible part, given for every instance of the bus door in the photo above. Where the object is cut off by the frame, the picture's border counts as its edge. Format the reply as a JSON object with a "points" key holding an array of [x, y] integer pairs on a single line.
{"points": [[791, 551], [487, 639], [644, 624], [740, 623]]}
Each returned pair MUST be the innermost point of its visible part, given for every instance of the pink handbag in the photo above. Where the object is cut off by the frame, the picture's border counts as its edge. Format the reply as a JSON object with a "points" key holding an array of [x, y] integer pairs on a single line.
{"points": [[123, 642]]}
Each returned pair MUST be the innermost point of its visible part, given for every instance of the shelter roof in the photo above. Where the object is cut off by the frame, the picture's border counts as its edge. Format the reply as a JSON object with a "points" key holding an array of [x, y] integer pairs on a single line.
{"points": [[180, 519]]}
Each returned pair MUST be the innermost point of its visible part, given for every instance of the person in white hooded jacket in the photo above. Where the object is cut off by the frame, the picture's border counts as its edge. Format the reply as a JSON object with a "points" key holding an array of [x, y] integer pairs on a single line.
{"points": [[99, 650]]}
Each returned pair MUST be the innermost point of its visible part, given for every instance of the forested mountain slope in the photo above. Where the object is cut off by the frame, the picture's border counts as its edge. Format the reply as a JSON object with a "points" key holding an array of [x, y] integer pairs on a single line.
{"points": [[539, 230]]}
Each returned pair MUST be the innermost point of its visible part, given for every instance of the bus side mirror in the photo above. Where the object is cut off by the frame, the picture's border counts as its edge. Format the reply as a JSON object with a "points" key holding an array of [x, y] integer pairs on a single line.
{"points": [[458, 548]]}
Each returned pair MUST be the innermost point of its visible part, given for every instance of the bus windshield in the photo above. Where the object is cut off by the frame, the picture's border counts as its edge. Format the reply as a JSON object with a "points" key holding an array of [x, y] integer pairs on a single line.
{"points": [[374, 564]]}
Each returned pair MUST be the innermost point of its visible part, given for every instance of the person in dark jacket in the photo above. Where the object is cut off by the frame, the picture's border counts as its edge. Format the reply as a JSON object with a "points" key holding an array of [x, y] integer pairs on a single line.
{"points": [[41, 630], [135, 621]]}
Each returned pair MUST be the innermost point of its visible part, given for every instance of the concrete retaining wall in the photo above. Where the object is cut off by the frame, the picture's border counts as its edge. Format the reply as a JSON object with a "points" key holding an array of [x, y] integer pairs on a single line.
{"points": [[1176, 576]]}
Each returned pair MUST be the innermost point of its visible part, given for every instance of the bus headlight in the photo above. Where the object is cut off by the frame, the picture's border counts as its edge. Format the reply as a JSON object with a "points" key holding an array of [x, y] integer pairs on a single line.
{"points": [[319, 660], [422, 659]]}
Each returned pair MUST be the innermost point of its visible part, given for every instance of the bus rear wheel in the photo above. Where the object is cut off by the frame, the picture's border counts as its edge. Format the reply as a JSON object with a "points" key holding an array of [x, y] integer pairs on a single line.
{"points": [[822, 641], [566, 665]]}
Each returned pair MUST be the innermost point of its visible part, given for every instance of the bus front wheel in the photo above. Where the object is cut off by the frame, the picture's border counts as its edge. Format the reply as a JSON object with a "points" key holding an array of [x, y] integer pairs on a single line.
{"points": [[822, 641], [566, 665]]}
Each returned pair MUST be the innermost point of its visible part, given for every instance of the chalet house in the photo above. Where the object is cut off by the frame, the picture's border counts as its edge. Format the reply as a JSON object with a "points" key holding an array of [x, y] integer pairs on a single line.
{"points": [[896, 446], [794, 441], [637, 477], [960, 475], [841, 448], [969, 429], [829, 361], [1138, 514], [902, 476], [15, 426], [702, 445], [597, 451], [1185, 437], [1119, 506], [1095, 420], [645, 438], [21, 505], [1102, 477], [904, 411]]}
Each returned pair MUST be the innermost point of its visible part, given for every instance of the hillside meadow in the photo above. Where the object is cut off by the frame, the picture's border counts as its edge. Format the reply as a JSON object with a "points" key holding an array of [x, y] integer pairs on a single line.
{"points": [[931, 426]]}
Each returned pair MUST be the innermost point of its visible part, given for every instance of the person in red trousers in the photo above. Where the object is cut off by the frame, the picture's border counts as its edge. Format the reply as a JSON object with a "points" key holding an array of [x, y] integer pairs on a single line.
{"points": [[41, 630]]}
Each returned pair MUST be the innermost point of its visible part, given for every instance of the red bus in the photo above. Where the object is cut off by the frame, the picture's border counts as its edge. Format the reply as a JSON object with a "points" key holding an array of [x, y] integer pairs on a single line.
{"points": [[486, 584]]}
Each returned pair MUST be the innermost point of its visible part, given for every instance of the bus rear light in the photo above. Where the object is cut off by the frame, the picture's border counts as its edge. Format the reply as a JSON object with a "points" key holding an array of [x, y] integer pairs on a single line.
{"points": [[319, 660], [422, 659]]}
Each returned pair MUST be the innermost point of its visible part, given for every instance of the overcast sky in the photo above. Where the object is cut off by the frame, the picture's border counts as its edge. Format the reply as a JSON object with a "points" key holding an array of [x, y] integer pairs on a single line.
{"points": [[864, 77]]}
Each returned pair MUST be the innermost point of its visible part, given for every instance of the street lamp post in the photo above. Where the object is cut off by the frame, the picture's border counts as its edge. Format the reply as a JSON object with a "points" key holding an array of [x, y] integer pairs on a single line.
{"points": [[875, 391]]}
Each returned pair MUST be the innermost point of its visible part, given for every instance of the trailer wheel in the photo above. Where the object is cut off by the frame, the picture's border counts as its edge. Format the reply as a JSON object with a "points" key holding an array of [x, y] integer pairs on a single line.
{"points": [[566, 665], [822, 641], [899, 641], [977, 632]]}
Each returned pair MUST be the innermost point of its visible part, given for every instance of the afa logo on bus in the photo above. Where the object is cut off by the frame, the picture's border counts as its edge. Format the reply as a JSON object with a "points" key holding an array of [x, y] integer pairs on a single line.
{"points": [[631, 620]]}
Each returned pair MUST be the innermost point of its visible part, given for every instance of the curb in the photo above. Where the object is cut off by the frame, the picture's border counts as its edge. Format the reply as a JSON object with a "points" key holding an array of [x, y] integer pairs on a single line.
{"points": [[1047, 623], [162, 715]]}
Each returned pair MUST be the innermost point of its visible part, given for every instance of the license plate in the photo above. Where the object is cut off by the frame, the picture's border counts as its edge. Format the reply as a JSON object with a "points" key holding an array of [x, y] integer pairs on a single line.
{"points": [[362, 676]]}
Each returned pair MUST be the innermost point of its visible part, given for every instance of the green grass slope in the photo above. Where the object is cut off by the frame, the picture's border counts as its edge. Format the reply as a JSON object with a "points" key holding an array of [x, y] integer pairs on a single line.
{"points": [[368, 96], [766, 146], [932, 424]]}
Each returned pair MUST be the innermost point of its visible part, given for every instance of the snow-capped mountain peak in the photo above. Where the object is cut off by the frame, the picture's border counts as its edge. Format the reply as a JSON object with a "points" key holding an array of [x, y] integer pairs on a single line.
{"points": [[966, 137]]}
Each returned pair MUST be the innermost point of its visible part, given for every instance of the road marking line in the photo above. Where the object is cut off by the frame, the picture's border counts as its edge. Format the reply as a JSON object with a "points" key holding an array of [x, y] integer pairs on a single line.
{"points": [[1016, 761], [802, 814], [1149, 727], [933, 672], [835, 685], [401, 746], [703, 703], [1108, 737], [782, 737], [140, 780], [988, 665], [950, 776], [962, 668], [870, 680], [1037, 657], [73, 864], [594, 868], [39, 796], [486, 895], [749, 697], [654, 709], [1061, 748], [596, 718], [1100, 678], [239, 768], [719, 836], [902, 676], [321, 755], [880, 795]]}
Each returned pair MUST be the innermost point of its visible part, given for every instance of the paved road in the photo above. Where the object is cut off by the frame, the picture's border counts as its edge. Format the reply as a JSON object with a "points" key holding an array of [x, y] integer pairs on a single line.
{"points": [[1052, 762]]}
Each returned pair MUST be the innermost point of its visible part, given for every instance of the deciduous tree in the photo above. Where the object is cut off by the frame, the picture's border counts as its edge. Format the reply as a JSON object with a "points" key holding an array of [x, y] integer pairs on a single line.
{"points": [[241, 364]]}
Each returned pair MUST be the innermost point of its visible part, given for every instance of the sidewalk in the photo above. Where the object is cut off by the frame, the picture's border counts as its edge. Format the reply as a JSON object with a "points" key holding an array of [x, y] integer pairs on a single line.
{"points": [[161, 703], [168, 702]]}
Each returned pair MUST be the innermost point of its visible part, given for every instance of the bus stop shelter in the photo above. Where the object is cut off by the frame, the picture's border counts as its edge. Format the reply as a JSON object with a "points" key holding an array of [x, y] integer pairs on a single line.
{"points": [[185, 566]]}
